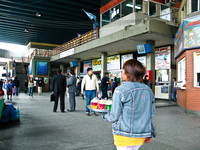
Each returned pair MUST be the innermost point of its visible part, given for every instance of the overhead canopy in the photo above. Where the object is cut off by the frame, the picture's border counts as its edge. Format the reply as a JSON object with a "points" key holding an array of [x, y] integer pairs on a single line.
{"points": [[46, 21]]}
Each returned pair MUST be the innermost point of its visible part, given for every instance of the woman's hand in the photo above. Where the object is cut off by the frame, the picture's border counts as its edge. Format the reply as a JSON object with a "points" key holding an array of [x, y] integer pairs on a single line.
{"points": [[148, 140]]}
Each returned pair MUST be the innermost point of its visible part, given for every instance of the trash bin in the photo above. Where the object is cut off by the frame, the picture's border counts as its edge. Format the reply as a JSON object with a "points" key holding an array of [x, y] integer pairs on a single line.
{"points": [[1, 107]]}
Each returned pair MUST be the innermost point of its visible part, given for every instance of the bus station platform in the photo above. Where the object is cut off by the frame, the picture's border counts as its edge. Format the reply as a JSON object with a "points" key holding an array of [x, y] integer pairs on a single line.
{"points": [[39, 128]]}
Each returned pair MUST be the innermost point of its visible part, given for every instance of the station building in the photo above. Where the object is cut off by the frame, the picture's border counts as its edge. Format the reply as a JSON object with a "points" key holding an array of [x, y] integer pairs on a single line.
{"points": [[187, 55], [124, 26]]}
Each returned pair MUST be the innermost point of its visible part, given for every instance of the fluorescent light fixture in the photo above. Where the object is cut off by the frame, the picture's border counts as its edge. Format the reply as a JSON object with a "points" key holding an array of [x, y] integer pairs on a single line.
{"points": [[131, 5], [38, 14], [137, 7], [105, 20], [26, 30]]}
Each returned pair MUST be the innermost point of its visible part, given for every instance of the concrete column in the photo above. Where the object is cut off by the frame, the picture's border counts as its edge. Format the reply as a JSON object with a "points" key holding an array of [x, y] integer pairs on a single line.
{"points": [[151, 63], [78, 68], [62, 68], [103, 63], [158, 9], [145, 7]]}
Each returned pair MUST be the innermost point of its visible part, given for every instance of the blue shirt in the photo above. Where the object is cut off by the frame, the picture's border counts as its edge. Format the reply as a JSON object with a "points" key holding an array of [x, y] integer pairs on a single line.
{"points": [[9, 86]]}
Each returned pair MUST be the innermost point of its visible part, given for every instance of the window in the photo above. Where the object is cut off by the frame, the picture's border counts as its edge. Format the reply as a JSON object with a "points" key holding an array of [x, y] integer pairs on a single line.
{"points": [[182, 72], [165, 13], [106, 18], [152, 9], [138, 6], [185, 10], [115, 13], [196, 69], [127, 7], [194, 5]]}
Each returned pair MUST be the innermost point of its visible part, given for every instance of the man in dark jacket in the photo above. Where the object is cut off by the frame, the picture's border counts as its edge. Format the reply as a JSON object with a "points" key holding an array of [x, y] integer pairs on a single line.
{"points": [[59, 88], [71, 83], [104, 86], [16, 84]]}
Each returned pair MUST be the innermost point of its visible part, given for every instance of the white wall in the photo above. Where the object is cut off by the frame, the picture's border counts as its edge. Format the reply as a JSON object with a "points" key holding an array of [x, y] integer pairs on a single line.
{"points": [[120, 24]]}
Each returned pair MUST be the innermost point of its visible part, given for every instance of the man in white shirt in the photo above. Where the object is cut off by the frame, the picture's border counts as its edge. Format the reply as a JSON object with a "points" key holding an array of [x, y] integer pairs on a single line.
{"points": [[91, 88]]}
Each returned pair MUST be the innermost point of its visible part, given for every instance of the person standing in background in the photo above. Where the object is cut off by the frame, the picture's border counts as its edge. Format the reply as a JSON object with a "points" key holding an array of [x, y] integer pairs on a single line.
{"points": [[91, 86], [16, 84], [26, 86], [77, 86], [9, 87], [104, 85], [174, 90], [40, 84], [114, 85], [1, 84], [34, 85], [59, 88], [30, 86], [147, 81], [71, 83]]}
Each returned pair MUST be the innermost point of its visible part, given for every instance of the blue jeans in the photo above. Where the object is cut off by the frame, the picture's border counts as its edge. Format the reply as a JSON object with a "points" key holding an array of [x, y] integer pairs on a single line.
{"points": [[17, 90], [174, 96], [90, 94], [31, 91]]}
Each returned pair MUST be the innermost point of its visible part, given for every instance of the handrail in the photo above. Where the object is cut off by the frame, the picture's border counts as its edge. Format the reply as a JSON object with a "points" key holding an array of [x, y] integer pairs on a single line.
{"points": [[37, 52], [85, 38]]}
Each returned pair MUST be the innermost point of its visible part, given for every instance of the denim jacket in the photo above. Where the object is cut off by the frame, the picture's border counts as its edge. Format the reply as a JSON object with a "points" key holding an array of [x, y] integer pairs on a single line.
{"points": [[133, 111]]}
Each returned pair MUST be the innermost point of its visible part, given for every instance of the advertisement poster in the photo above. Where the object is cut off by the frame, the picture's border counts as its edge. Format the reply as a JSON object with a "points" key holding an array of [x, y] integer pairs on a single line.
{"points": [[41, 68], [125, 58], [30, 67], [192, 32], [162, 58], [45, 79], [178, 44], [113, 63], [96, 65], [188, 35], [142, 60], [86, 64]]}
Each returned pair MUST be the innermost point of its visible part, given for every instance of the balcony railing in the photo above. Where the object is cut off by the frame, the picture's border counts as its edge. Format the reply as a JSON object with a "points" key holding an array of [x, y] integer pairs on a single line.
{"points": [[85, 38], [40, 53]]}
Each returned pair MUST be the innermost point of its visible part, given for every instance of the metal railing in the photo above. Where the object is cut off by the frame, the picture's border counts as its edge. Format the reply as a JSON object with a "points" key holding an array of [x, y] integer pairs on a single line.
{"points": [[85, 38], [40, 53]]}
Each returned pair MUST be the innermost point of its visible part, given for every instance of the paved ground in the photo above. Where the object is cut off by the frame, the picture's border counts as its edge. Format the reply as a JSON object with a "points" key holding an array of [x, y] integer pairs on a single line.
{"points": [[42, 129]]}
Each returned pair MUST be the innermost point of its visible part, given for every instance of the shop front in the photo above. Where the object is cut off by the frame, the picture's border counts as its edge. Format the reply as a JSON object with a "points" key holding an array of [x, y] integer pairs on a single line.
{"points": [[187, 54], [163, 72]]}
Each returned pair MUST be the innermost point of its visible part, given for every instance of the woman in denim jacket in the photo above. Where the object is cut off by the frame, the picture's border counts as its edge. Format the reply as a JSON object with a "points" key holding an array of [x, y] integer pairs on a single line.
{"points": [[133, 109]]}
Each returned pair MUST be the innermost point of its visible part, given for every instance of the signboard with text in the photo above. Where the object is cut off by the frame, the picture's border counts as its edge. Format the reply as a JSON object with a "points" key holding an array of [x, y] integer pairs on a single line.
{"points": [[86, 64], [162, 58], [187, 36]]}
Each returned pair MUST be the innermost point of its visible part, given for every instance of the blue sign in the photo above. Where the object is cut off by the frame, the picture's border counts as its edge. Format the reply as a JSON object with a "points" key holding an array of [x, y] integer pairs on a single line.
{"points": [[144, 48], [5, 74], [41, 68], [73, 63]]}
